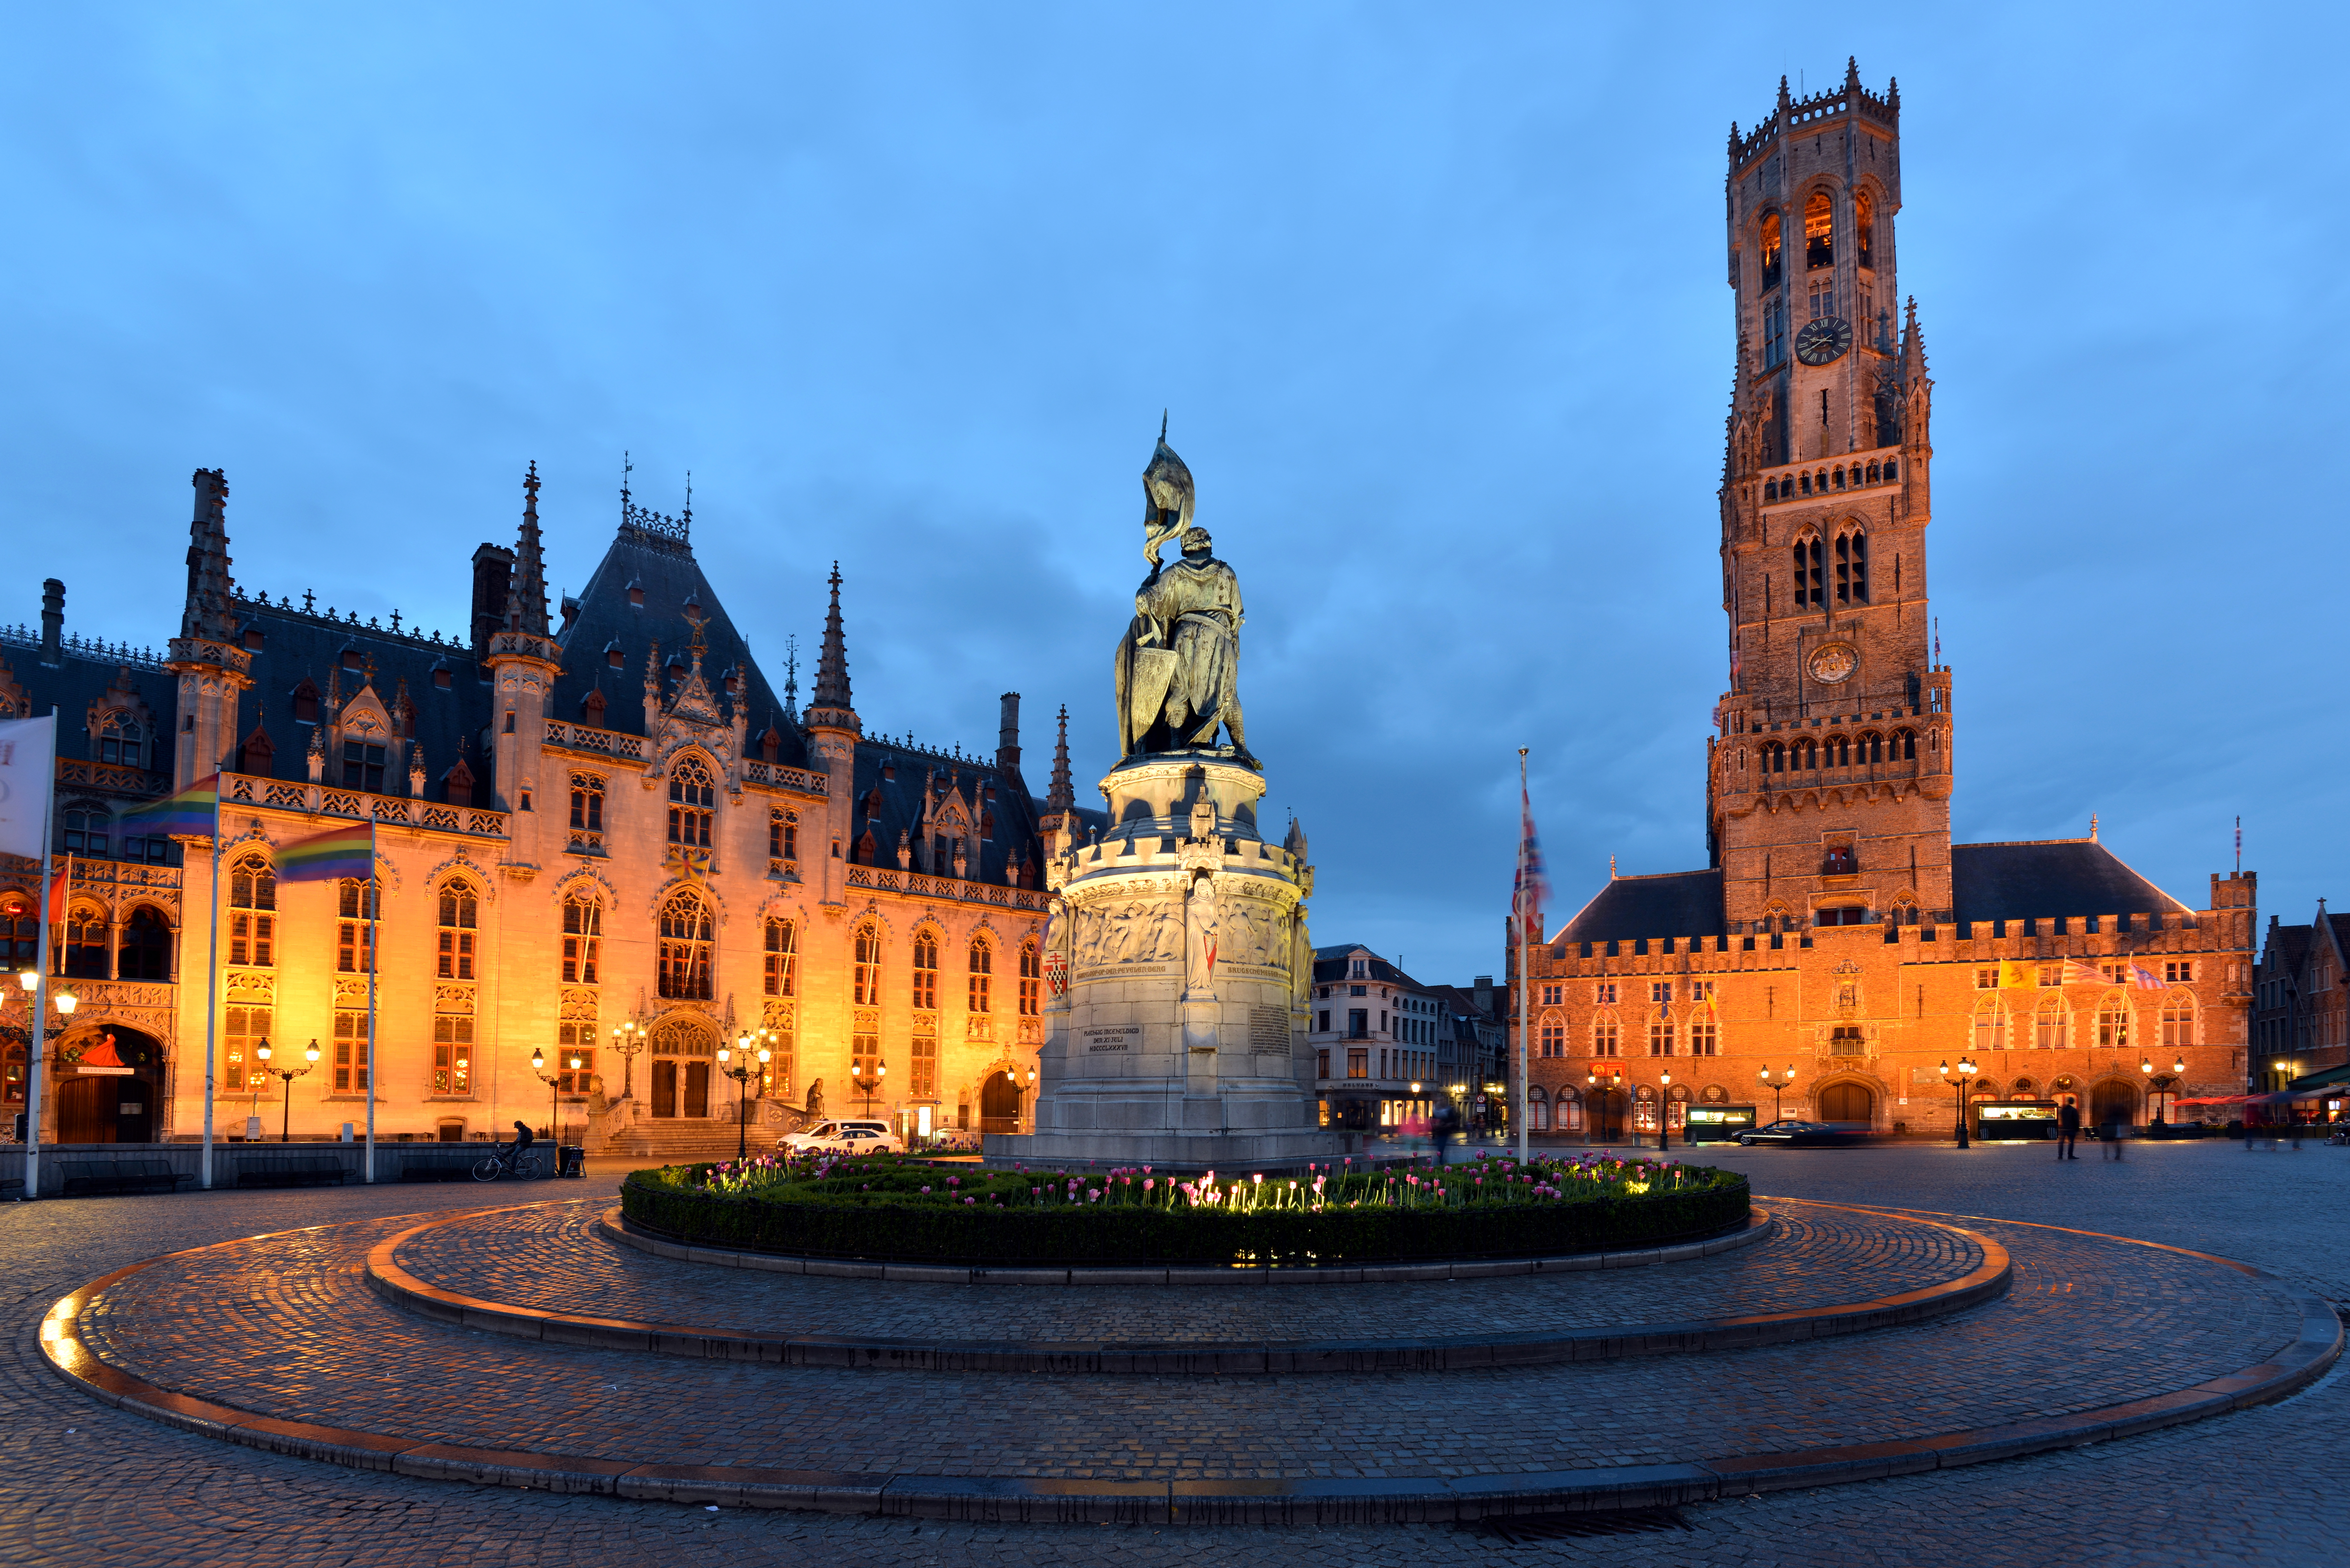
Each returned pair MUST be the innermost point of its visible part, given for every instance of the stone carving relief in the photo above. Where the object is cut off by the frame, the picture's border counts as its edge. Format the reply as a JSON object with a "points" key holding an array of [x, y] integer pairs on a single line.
{"points": [[1130, 932]]}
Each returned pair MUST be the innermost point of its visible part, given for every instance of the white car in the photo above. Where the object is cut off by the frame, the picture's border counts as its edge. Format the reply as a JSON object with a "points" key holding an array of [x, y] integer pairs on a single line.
{"points": [[846, 1138]]}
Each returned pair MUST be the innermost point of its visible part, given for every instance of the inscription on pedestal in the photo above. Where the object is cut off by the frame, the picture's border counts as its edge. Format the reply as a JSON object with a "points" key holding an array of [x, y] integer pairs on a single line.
{"points": [[1269, 1031], [1111, 1037]]}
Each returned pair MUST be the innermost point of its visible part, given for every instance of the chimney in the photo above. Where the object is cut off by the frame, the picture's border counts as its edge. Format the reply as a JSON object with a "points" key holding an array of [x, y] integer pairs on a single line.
{"points": [[1483, 989], [1007, 737], [493, 576], [53, 621]]}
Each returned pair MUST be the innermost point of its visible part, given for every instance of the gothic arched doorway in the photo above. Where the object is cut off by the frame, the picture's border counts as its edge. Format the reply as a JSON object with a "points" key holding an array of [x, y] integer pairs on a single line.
{"points": [[999, 1104], [1846, 1103], [1607, 1115], [2113, 1100], [109, 1094], [684, 1050]]}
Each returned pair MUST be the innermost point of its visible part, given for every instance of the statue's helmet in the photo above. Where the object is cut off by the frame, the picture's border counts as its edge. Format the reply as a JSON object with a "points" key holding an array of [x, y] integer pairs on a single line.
{"points": [[1166, 484]]}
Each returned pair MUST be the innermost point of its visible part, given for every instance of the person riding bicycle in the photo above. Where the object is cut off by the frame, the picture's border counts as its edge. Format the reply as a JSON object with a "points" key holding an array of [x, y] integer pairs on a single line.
{"points": [[523, 1140]]}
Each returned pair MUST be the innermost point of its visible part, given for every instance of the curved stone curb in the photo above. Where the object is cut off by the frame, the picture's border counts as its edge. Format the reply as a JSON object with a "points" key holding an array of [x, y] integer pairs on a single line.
{"points": [[618, 1228], [395, 1285]]}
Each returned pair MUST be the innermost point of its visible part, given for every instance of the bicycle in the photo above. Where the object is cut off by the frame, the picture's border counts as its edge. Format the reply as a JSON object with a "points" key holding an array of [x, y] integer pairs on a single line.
{"points": [[504, 1161]]}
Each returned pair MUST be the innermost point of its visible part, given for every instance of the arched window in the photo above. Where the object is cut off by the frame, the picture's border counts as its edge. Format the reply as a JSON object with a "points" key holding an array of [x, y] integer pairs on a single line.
{"points": [[355, 911], [1803, 483], [983, 975], [1839, 751], [1819, 231], [1660, 1036], [1538, 1108], [146, 946], [583, 937], [926, 967], [1606, 1039], [121, 740], [83, 956], [87, 824], [586, 810], [1991, 1024], [2113, 1023], [783, 838], [866, 975], [1032, 978], [252, 919], [1773, 257], [1872, 473], [1863, 228], [1851, 568], [1775, 758], [1810, 572], [1872, 747], [686, 943], [1810, 755], [2178, 1023], [1705, 1033], [1554, 1034], [1568, 1109], [783, 972], [2049, 1027], [693, 800], [1769, 489], [243, 1029], [1905, 746], [457, 930]]}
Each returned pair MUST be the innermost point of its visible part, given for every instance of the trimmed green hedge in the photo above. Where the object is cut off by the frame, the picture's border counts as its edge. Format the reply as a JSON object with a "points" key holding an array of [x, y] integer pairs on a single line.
{"points": [[874, 1227]]}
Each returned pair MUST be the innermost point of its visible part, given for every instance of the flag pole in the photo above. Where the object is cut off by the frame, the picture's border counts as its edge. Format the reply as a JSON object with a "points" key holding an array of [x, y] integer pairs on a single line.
{"points": [[39, 1031], [1525, 952], [375, 939], [211, 989]]}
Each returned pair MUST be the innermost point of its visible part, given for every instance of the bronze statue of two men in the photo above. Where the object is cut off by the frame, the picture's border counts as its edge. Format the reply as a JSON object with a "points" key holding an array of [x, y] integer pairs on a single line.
{"points": [[1178, 666]]}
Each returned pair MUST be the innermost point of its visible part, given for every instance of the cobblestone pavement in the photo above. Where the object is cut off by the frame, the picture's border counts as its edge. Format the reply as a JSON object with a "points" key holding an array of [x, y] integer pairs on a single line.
{"points": [[555, 1259], [87, 1484]]}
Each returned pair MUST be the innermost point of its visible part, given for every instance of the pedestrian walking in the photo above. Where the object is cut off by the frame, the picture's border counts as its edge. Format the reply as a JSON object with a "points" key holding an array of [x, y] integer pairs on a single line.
{"points": [[2110, 1132], [2069, 1128]]}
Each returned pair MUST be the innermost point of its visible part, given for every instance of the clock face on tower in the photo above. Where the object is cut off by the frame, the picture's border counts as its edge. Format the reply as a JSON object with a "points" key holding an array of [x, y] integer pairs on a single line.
{"points": [[1824, 342]]}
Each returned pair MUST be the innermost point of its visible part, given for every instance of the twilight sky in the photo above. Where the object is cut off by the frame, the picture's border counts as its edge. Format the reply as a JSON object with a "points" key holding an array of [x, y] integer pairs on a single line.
{"points": [[1436, 295]]}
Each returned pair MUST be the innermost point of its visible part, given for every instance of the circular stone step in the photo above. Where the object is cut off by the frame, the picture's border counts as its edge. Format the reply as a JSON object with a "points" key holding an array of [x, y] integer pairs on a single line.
{"points": [[275, 1342], [526, 1271]]}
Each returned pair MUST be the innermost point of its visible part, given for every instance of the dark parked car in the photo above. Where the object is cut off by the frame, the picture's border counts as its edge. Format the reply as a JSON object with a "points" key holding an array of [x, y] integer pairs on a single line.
{"points": [[1807, 1135]]}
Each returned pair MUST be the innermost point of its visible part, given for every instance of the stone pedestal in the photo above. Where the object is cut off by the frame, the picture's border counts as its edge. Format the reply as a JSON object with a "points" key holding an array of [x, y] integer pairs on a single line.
{"points": [[1180, 965]]}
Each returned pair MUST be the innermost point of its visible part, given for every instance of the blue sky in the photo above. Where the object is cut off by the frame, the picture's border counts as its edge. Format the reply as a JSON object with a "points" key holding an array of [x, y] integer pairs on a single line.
{"points": [[1436, 298]]}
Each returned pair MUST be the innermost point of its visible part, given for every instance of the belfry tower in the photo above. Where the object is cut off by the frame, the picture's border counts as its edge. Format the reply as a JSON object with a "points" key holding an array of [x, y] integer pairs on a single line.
{"points": [[1829, 775]]}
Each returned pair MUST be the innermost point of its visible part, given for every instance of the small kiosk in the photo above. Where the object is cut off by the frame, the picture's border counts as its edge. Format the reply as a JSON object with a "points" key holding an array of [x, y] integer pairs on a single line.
{"points": [[1717, 1124], [2015, 1121]]}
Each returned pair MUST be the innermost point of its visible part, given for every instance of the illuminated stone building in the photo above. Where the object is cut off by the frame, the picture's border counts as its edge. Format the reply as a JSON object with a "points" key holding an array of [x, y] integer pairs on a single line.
{"points": [[1836, 928], [604, 820]]}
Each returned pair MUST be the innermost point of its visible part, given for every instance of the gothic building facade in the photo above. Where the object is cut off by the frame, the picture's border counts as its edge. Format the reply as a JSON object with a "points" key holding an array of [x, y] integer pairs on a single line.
{"points": [[1837, 938], [603, 837]]}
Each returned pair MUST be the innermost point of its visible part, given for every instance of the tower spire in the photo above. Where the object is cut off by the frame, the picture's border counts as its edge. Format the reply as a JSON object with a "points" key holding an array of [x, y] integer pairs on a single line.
{"points": [[209, 613], [526, 602], [829, 704], [1063, 794]]}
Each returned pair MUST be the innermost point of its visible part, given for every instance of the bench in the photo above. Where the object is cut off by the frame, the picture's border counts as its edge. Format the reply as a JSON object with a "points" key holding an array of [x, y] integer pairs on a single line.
{"points": [[448, 1162], [90, 1176], [290, 1170]]}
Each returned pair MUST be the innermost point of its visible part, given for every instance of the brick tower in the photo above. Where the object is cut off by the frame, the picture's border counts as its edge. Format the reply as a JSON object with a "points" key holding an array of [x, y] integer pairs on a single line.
{"points": [[1829, 775]]}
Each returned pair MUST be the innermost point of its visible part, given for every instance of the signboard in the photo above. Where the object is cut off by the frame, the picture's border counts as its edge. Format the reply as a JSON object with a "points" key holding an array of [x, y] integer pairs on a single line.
{"points": [[1718, 1124], [1111, 1037]]}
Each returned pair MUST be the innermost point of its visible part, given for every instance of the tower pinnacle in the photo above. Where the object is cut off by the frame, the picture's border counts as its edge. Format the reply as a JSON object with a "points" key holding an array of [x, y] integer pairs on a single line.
{"points": [[1063, 794], [829, 704], [526, 603], [209, 613]]}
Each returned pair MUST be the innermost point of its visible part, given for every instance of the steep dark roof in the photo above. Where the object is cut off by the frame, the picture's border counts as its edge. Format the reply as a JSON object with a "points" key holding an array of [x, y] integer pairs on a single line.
{"points": [[889, 807], [82, 676], [2050, 877], [664, 570], [1330, 963], [2288, 947], [1675, 904]]}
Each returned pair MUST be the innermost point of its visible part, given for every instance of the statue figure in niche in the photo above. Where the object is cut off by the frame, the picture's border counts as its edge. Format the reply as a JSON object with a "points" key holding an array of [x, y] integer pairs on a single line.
{"points": [[1200, 930], [1177, 670], [1300, 961]]}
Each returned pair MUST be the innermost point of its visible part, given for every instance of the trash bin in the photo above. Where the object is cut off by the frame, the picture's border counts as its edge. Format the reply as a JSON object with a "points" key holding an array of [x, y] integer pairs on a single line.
{"points": [[573, 1160]]}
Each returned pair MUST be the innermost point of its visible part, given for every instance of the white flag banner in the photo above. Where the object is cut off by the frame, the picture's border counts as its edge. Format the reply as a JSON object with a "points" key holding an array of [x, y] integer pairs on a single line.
{"points": [[28, 750]]}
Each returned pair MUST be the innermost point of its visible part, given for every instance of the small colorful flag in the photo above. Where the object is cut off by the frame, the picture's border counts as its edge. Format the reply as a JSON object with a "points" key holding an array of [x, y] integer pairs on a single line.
{"points": [[343, 852], [194, 811], [1531, 890], [2146, 979], [2079, 974]]}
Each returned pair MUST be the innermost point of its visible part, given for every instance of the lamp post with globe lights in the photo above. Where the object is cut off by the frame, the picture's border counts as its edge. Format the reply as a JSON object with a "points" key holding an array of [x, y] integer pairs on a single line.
{"points": [[1664, 1111], [741, 1072], [1777, 1086], [628, 1039], [554, 1082], [34, 1035], [1966, 1075], [261, 1054]]}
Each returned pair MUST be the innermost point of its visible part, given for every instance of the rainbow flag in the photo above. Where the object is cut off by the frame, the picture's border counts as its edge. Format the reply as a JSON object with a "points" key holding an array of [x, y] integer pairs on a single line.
{"points": [[194, 811], [343, 852]]}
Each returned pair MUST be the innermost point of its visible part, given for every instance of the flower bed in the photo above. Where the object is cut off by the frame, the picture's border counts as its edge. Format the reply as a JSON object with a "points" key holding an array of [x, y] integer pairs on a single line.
{"points": [[889, 1208]]}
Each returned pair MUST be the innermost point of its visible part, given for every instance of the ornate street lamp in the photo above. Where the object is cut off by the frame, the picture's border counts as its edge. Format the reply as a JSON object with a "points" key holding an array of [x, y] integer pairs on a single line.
{"points": [[1664, 1100], [1966, 1075], [867, 1085], [554, 1082], [628, 1039], [1777, 1084], [261, 1054], [742, 1073]]}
